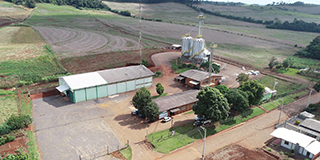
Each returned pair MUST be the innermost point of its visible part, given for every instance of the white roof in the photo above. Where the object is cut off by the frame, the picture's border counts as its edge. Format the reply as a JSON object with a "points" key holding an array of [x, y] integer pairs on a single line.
{"points": [[176, 45], [268, 90], [84, 80], [309, 143], [62, 88]]}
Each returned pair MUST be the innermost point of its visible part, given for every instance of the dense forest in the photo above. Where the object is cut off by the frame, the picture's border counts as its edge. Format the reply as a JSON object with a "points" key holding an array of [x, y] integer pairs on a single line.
{"points": [[312, 50], [296, 25]]}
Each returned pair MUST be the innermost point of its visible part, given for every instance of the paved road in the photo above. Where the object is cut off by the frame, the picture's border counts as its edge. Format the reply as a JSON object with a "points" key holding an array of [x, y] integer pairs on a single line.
{"points": [[250, 134], [66, 130]]}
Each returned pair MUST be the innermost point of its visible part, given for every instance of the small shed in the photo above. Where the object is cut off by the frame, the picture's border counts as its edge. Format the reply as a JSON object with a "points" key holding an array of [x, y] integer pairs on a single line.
{"points": [[198, 79], [268, 93], [176, 103], [93, 85]]}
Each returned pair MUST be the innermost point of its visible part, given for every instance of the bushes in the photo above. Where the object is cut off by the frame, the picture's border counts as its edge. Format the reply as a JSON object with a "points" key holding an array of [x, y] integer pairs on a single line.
{"points": [[16, 157], [15, 122], [158, 74], [312, 108], [6, 140]]}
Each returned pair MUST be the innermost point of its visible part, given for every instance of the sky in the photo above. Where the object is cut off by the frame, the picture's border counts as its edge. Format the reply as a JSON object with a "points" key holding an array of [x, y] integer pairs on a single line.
{"points": [[264, 2]]}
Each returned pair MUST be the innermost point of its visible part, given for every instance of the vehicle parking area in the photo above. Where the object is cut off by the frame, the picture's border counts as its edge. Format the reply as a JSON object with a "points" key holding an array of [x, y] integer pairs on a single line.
{"points": [[66, 130]]}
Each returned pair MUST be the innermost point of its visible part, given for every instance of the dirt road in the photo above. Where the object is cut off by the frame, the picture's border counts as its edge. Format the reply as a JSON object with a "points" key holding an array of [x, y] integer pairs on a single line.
{"points": [[250, 134]]}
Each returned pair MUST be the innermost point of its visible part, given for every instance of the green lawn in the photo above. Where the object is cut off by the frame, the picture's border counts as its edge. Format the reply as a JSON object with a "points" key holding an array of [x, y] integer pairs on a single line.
{"points": [[127, 153], [269, 106], [157, 96], [8, 107], [6, 92], [253, 113], [190, 112], [32, 148], [283, 88], [287, 99], [288, 71], [186, 134]]}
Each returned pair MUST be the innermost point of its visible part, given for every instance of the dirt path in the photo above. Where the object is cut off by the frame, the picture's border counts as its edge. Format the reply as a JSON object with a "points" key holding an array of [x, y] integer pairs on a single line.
{"points": [[250, 134]]}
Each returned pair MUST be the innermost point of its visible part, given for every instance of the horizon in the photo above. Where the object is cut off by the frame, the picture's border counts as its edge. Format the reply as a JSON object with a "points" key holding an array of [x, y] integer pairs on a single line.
{"points": [[265, 2]]}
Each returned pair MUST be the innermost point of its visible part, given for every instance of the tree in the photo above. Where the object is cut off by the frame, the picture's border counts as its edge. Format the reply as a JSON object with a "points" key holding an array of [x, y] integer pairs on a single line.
{"points": [[254, 90], [159, 88], [212, 104], [222, 88], [317, 86], [205, 66], [143, 102], [238, 100], [273, 62], [242, 78], [287, 63], [145, 63]]}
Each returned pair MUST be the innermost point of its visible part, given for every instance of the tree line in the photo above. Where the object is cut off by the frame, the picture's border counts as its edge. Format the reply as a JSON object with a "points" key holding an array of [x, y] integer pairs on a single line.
{"points": [[312, 50], [296, 25], [95, 4]]}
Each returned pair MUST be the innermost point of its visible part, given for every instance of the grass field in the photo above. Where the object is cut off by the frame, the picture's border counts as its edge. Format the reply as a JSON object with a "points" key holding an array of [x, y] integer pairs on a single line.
{"points": [[287, 99], [10, 13], [8, 106], [32, 147], [282, 87], [186, 134], [300, 63], [262, 12], [20, 43]]}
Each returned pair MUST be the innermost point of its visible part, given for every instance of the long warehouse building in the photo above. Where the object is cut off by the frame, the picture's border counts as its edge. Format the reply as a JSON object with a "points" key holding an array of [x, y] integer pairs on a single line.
{"points": [[93, 85]]}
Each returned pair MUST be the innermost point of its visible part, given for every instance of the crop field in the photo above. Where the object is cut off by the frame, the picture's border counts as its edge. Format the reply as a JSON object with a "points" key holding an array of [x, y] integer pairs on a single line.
{"points": [[314, 9], [276, 35], [20, 43], [72, 32], [175, 13], [8, 107], [10, 13], [262, 13]]}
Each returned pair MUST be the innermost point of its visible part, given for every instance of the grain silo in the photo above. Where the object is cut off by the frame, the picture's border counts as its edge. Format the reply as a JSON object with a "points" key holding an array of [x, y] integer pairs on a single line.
{"points": [[198, 48], [186, 45]]}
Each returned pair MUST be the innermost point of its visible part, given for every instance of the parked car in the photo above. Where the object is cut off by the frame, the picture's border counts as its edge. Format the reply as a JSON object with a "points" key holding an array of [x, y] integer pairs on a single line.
{"points": [[135, 112], [166, 119], [206, 122], [197, 123], [199, 118]]}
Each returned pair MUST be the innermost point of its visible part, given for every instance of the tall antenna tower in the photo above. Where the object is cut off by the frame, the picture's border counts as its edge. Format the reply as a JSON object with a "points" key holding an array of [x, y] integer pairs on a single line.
{"points": [[140, 10]]}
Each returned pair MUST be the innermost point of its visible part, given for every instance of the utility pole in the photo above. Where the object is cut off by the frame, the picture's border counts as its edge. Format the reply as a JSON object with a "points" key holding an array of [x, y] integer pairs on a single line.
{"points": [[204, 140], [275, 83], [280, 110], [309, 98], [210, 62]]}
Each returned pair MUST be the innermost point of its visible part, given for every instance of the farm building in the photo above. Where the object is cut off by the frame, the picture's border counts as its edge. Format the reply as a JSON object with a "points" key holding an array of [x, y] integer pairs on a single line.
{"points": [[93, 85], [176, 103], [198, 79], [300, 143]]}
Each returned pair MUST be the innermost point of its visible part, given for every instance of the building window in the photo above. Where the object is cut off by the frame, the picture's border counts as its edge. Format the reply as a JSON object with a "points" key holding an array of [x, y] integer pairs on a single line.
{"points": [[308, 154], [183, 108], [286, 142], [205, 82]]}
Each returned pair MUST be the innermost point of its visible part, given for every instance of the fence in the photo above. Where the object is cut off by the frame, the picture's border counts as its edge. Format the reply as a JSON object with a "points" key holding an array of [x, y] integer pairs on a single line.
{"points": [[101, 154]]}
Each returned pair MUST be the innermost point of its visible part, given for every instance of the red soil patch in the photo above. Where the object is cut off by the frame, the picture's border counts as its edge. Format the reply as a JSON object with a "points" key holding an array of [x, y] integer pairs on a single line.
{"points": [[44, 94], [240, 153], [9, 148]]}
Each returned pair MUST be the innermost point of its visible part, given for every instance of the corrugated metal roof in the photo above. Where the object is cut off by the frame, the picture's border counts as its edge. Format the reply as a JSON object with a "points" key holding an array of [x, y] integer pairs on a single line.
{"points": [[176, 100], [198, 75], [309, 143], [311, 124], [84, 80], [125, 73], [97, 78]]}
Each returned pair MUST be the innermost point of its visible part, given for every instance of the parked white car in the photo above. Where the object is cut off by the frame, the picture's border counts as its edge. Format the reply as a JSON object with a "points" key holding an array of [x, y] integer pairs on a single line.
{"points": [[166, 119]]}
